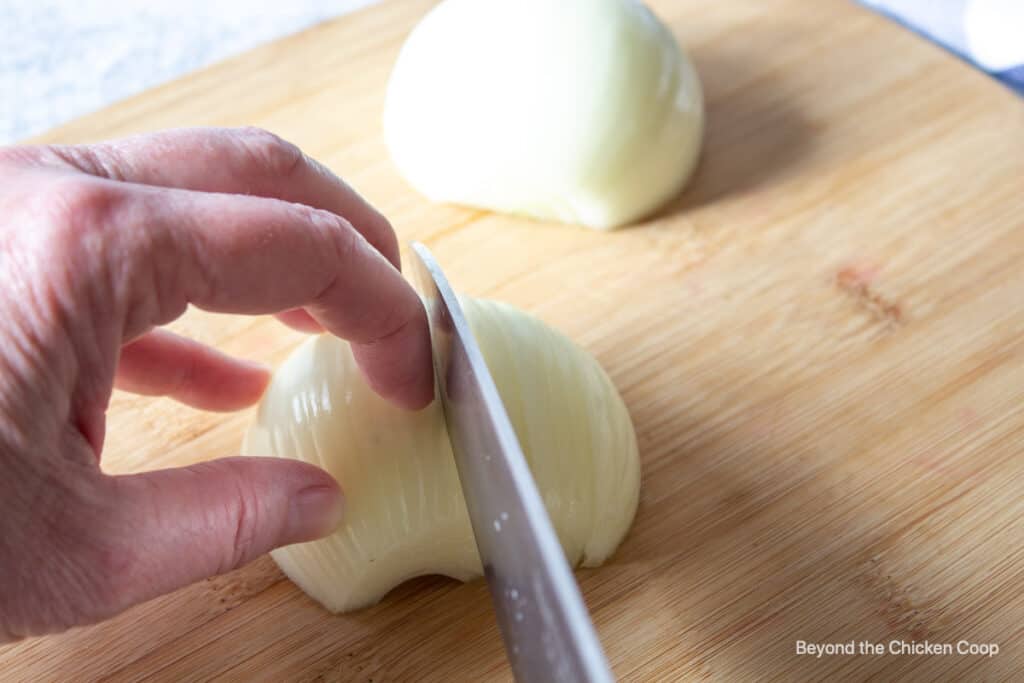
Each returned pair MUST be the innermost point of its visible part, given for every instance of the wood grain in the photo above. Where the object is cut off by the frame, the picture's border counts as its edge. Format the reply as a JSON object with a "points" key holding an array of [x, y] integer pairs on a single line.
{"points": [[821, 343]]}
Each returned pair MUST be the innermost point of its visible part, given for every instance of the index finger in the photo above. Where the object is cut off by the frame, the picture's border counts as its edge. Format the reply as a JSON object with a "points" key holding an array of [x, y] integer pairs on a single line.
{"points": [[249, 161], [161, 250]]}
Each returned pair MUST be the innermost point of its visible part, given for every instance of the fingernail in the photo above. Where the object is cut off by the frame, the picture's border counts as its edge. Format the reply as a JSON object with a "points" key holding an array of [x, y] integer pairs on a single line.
{"points": [[315, 512]]}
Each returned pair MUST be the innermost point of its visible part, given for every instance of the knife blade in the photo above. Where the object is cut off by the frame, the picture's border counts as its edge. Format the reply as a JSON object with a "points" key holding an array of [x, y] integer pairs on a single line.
{"points": [[544, 623]]}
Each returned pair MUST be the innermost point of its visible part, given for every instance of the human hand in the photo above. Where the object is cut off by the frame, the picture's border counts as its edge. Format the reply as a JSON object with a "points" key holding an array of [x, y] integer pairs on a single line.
{"points": [[100, 245]]}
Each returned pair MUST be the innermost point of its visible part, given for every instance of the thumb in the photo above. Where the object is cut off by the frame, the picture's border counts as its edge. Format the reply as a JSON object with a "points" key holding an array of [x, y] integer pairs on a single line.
{"points": [[189, 523]]}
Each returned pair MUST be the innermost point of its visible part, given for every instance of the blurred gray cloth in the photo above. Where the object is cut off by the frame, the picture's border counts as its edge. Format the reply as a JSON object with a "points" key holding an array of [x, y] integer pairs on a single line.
{"points": [[60, 59], [987, 33]]}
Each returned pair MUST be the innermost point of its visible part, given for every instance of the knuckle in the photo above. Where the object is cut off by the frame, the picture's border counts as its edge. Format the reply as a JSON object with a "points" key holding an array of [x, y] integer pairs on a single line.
{"points": [[113, 567], [395, 321], [78, 215], [40, 156], [15, 156], [341, 238], [246, 524], [79, 207], [350, 244], [100, 160], [100, 229], [334, 235], [338, 242], [109, 562], [235, 517], [269, 151]]}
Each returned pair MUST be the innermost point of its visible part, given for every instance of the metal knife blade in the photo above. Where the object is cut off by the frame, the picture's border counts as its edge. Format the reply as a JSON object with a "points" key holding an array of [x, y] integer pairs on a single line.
{"points": [[547, 631]]}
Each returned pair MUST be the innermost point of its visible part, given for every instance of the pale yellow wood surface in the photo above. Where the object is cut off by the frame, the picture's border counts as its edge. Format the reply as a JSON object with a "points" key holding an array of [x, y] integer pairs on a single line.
{"points": [[821, 343]]}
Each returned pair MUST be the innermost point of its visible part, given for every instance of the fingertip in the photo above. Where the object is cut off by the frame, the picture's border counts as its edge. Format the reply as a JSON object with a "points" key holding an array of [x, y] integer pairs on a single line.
{"points": [[315, 502], [411, 398], [400, 370], [232, 384], [300, 320], [314, 512], [421, 394], [250, 385], [161, 363]]}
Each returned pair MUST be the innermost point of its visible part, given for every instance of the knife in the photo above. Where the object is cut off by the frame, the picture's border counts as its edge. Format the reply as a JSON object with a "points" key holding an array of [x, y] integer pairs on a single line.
{"points": [[547, 631]]}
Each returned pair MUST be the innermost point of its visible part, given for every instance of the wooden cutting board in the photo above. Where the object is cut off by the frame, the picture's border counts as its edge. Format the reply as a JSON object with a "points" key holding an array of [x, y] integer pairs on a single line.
{"points": [[821, 343]]}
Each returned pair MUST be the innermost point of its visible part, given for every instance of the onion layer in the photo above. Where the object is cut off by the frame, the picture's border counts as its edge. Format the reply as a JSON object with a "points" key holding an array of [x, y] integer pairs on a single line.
{"points": [[405, 512]]}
